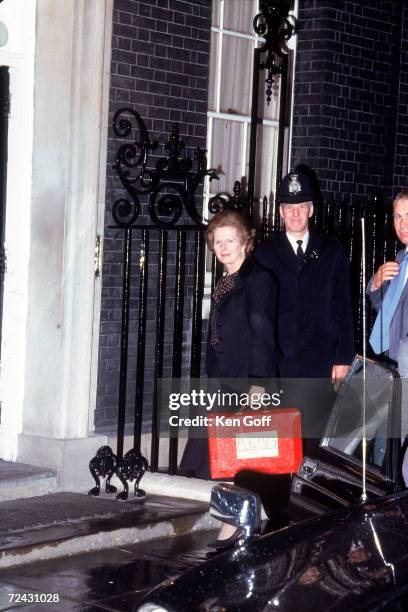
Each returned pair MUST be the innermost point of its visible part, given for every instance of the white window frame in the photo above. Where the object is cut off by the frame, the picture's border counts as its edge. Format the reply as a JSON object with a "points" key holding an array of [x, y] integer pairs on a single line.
{"points": [[210, 188]]}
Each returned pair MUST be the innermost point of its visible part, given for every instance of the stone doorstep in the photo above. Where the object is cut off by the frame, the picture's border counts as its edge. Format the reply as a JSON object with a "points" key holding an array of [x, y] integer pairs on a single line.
{"points": [[47, 543], [53, 541], [19, 480], [28, 488]]}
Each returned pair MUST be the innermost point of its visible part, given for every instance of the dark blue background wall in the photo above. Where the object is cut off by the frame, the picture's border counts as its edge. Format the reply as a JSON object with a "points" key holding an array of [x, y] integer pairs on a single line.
{"points": [[350, 97], [160, 58]]}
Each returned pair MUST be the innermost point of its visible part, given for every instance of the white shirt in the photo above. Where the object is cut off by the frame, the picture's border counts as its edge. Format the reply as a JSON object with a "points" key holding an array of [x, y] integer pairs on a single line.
{"points": [[293, 242]]}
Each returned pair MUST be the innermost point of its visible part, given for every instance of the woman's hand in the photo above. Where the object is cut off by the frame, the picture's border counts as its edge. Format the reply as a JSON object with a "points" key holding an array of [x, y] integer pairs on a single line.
{"points": [[339, 373], [255, 393]]}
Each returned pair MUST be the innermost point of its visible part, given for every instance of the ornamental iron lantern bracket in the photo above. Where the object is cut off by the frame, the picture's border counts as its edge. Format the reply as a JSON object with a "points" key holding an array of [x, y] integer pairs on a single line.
{"points": [[276, 26]]}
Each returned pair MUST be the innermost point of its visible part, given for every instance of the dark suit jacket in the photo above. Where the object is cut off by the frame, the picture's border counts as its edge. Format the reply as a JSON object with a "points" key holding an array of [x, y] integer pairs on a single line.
{"points": [[315, 328], [246, 326], [399, 323]]}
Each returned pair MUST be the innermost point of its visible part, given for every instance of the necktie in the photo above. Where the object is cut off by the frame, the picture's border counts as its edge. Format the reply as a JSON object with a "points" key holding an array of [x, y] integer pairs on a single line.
{"points": [[380, 335], [299, 251]]}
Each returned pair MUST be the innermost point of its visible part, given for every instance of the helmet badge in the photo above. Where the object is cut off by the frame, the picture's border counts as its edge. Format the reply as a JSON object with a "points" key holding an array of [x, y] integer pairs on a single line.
{"points": [[294, 184]]}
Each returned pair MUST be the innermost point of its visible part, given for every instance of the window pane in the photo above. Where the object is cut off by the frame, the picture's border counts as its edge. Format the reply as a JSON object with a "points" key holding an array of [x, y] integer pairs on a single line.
{"points": [[239, 15], [226, 154], [267, 144], [266, 111], [216, 5], [270, 111], [237, 58], [212, 84]]}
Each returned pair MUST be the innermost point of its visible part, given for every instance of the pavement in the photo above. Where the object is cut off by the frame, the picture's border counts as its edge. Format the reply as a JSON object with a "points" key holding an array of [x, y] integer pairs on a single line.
{"points": [[71, 551], [113, 579]]}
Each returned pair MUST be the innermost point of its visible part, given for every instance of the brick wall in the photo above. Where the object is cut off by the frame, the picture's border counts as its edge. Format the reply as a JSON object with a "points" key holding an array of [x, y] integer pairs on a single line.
{"points": [[347, 120], [349, 125], [401, 143], [160, 57]]}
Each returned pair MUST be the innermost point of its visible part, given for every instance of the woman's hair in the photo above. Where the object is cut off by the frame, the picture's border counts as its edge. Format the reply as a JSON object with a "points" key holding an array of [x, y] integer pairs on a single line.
{"points": [[402, 195], [231, 218]]}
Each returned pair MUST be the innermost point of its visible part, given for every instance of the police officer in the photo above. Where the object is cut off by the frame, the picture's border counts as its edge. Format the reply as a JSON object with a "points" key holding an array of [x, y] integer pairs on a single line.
{"points": [[315, 321], [315, 329]]}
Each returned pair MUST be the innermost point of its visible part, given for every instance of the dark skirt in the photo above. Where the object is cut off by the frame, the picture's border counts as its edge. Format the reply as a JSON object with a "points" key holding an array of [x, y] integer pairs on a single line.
{"points": [[195, 462]]}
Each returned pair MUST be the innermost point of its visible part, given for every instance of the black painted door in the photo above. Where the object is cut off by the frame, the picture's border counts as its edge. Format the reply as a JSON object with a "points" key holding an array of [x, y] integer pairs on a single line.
{"points": [[4, 114]]}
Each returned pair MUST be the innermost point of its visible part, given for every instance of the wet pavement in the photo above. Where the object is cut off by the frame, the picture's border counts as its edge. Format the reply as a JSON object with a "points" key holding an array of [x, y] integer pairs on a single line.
{"points": [[115, 579], [72, 551]]}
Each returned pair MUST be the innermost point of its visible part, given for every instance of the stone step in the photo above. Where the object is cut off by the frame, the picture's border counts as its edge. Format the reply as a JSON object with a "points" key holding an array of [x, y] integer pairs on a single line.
{"points": [[39, 522], [61, 524], [19, 480]]}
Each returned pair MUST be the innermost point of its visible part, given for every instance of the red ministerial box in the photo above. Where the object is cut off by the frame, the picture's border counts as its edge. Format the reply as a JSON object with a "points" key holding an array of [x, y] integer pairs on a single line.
{"points": [[277, 450]]}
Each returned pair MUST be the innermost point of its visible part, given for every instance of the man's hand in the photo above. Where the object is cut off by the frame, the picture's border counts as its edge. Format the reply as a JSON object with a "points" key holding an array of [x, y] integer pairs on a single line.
{"points": [[339, 373], [384, 273]]}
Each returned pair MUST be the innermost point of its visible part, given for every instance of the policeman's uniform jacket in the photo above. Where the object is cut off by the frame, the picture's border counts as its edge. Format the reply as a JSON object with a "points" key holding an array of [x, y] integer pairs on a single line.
{"points": [[315, 329], [246, 327]]}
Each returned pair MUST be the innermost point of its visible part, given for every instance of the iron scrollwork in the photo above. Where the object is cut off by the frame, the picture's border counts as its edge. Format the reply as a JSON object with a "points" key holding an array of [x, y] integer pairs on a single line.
{"points": [[170, 185], [105, 464], [274, 23], [223, 200], [131, 467], [132, 157]]}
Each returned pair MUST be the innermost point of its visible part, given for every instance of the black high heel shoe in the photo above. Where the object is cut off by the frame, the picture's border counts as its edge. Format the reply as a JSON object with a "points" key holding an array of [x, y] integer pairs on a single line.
{"points": [[227, 542]]}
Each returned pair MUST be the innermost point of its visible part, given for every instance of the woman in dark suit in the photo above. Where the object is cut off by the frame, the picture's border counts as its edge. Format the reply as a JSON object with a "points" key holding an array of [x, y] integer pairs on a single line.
{"points": [[241, 334], [241, 327]]}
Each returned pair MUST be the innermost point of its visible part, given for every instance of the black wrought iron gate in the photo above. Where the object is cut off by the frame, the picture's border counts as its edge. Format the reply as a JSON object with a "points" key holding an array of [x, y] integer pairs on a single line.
{"points": [[167, 252], [170, 277], [164, 264]]}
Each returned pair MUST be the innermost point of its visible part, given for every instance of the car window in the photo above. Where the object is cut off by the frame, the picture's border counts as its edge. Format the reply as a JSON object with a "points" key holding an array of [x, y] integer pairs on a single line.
{"points": [[374, 394]]}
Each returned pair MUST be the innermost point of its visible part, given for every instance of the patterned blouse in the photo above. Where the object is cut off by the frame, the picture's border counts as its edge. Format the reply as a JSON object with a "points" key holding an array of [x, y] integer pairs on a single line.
{"points": [[225, 285]]}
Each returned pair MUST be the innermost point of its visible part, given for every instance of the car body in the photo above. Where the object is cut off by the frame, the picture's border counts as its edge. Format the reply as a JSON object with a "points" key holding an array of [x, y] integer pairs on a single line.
{"points": [[346, 545]]}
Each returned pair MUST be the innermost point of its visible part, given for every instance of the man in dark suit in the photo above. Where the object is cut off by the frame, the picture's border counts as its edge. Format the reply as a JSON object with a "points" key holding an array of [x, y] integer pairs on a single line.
{"points": [[388, 292], [390, 331], [315, 327]]}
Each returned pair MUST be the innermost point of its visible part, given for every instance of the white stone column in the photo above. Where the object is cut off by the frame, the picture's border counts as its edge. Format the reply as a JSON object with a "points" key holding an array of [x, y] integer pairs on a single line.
{"points": [[69, 160], [17, 52]]}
